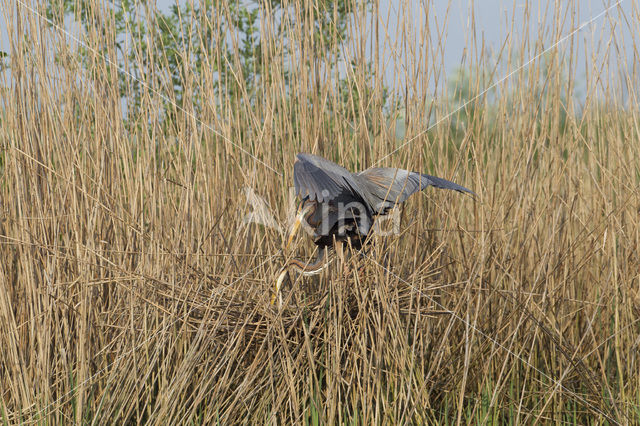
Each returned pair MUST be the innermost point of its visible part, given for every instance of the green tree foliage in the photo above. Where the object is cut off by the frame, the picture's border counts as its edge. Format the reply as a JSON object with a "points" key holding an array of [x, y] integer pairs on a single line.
{"points": [[3, 64], [216, 42]]}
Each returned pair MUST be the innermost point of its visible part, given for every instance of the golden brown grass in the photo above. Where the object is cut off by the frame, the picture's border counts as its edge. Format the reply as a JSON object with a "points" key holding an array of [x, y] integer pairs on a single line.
{"points": [[132, 291]]}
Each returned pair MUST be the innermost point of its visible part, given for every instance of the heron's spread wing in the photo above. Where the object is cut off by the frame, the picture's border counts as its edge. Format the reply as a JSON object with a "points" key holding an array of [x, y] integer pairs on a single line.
{"points": [[386, 187], [321, 179]]}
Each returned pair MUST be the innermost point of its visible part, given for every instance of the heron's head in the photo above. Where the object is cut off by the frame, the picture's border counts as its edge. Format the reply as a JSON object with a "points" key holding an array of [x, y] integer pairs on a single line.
{"points": [[304, 209]]}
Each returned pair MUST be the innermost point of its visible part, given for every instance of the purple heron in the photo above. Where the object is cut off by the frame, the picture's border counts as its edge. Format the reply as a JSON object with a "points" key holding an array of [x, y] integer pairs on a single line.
{"points": [[340, 206]]}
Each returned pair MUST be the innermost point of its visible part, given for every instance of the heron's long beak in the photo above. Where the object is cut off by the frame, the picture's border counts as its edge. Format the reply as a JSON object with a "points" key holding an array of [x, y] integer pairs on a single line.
{"points": [[294, 229], [296, 225], [302, 212]]}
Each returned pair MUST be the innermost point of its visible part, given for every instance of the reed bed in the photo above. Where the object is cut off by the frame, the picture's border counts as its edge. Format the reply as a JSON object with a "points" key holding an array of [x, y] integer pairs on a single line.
{"points": [[133, 290]]}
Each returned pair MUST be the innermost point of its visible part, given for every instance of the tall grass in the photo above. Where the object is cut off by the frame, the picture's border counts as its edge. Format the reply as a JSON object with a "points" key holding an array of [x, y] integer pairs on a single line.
{"points": [[131, 289]]}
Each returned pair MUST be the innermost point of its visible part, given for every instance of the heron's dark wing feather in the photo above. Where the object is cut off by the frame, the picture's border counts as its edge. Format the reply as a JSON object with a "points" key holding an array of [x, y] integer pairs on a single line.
{"points": [[321, 179], [440, 183], [386, 187]]}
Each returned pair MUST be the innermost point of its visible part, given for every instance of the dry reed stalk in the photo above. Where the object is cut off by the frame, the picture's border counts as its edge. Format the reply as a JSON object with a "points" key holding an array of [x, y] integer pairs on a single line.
{"points": [[132, 291]]}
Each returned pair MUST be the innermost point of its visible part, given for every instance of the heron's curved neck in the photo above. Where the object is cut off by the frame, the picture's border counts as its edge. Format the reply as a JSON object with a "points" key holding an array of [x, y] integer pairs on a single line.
{"points": [[313, 268]]}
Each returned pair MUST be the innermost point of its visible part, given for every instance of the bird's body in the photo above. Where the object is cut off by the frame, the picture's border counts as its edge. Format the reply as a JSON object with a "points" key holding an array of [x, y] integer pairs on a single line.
{"points": [[341, 206]]}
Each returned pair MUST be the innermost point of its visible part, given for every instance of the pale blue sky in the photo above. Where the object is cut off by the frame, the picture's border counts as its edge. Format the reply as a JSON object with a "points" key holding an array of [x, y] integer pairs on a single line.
{"points": [[492, 22]]}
